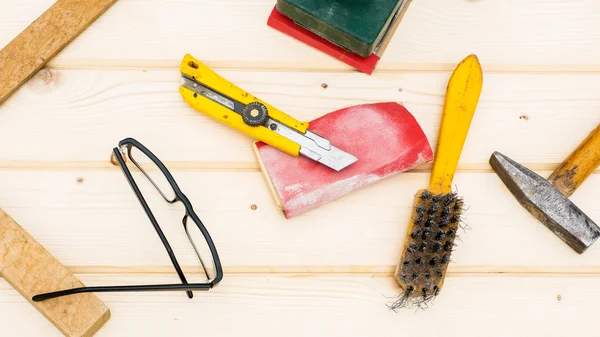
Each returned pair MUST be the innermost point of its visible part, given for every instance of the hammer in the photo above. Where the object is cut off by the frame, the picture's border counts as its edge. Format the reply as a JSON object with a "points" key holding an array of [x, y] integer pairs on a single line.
{"points": [[548, 200]]}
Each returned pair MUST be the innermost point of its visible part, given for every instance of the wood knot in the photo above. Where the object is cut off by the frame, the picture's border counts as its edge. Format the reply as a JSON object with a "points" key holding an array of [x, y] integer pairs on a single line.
{"points": [[253, 207], [44, 81]]}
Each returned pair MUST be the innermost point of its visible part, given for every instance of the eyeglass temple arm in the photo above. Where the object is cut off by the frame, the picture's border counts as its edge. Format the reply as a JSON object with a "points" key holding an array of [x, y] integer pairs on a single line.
{"points": [[132, 288]]}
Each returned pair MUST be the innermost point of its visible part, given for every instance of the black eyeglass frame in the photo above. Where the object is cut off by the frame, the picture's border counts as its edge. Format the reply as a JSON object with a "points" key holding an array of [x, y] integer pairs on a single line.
{"points": [[128, 144]]}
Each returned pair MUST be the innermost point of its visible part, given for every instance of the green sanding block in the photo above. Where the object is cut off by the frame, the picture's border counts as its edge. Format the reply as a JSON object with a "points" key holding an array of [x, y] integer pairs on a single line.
{"points": [[358, 26]]}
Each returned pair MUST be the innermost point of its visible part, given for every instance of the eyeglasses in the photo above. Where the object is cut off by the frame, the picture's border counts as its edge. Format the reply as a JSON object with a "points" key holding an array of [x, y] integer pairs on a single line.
{"points": [[151, 167]]}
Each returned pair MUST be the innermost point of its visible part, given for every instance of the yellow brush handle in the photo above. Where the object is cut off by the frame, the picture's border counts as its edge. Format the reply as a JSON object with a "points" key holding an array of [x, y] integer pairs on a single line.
{"points": [[462, 96], [193, 68]]}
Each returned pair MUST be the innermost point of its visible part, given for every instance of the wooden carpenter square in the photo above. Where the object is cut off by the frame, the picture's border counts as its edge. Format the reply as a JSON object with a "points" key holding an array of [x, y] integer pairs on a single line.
{"points": [[32, 270]]}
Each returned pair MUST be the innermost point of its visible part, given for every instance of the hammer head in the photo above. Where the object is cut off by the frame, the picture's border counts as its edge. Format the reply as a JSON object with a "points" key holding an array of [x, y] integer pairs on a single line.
{"points": [[546, 203]]}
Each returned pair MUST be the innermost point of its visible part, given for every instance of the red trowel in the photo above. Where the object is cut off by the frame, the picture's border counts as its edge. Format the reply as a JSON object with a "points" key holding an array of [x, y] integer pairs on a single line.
{"points": [[385, 138]]}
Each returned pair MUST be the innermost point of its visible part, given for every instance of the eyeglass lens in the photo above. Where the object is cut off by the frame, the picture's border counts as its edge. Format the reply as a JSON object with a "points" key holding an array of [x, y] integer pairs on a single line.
{"points": [[198, 248]]}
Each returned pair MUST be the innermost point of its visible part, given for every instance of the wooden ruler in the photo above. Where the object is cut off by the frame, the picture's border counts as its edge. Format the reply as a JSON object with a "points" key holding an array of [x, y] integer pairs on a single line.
{"points": [[44, 38], [32, 270]]}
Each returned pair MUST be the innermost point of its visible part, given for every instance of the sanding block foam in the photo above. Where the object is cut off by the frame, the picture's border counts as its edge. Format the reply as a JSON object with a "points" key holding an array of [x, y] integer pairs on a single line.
{"points": [[287, 26], [358, 26]]}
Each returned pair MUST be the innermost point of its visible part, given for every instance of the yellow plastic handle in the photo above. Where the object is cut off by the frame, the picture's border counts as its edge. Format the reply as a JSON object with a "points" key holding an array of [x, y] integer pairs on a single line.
{"points": [[462, 96], [194, 69]]}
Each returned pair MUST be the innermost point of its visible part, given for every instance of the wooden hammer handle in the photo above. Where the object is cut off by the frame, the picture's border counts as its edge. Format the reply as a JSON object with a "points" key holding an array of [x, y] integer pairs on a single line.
{"points": [[579, 165]]}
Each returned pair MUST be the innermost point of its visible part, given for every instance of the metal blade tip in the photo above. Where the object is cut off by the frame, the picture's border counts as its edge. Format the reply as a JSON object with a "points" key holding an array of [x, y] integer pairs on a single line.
{"points": [[343, 162]]}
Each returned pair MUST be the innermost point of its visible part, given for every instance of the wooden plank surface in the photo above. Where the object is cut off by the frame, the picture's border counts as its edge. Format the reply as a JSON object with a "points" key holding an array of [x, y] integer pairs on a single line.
{"points": [[328, 271], [77, 116], [301, 305], [435, 34], [98, 223]]}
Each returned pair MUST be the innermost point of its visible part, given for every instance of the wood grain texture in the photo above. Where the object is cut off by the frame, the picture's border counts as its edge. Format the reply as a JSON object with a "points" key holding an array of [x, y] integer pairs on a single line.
{"points": [[98, 223], [268, 305], [44, 38], [579, 165], [73, 118], [433, 35], [32, 270], [511, 276]]}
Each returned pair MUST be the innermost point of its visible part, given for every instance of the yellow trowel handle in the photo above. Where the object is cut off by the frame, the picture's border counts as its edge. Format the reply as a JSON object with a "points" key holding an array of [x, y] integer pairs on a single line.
{"points": [[194, 69], [462, 96]]}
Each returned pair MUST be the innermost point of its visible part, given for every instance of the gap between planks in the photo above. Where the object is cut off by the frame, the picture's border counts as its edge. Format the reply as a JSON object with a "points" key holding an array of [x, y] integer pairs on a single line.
{"points": [[383, 271], [123, 64], [241, 166]]}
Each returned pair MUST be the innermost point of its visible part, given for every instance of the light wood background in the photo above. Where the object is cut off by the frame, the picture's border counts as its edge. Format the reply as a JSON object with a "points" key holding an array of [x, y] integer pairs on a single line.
{"points": [[328, 272]]}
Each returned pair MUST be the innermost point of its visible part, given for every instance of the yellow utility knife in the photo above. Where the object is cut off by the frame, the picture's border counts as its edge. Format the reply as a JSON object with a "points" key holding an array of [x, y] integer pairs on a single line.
{"points": [[213, 95]]}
